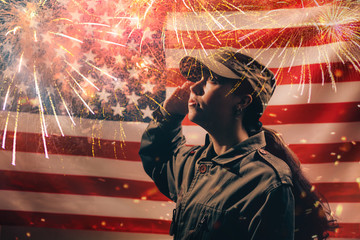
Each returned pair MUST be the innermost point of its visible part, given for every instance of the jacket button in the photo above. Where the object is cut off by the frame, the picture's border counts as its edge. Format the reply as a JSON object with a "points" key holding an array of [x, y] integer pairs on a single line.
{"points": [[202, 168], [263, 151]]}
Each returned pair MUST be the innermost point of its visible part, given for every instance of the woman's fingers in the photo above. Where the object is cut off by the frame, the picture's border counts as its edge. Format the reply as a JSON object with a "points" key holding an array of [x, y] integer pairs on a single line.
{"points": [[177, 102]]}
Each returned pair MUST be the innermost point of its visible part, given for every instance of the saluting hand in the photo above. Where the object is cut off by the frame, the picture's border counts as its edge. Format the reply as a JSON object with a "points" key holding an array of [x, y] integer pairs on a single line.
{"points": [[177, 102]]}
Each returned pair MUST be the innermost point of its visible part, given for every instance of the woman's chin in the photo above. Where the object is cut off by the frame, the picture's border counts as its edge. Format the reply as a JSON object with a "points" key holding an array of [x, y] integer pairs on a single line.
{"points": [[193, 116]]}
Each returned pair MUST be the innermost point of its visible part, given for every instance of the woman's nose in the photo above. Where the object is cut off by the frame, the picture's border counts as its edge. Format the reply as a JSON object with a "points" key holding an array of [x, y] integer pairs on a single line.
{"points": [[197, 88]]}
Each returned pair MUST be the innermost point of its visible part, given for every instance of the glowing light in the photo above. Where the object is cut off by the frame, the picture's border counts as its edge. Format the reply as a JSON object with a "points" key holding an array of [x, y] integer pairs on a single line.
{"points": [[15, 133], [339, 210]]}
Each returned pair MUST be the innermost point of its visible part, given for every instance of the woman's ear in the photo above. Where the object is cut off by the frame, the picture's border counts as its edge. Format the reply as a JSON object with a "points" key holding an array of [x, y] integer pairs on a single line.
{"points": [[244, 101]]}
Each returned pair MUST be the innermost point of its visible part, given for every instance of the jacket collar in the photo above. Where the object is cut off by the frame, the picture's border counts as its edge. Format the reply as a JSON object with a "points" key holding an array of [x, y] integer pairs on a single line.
{"points": [[235, 153]]}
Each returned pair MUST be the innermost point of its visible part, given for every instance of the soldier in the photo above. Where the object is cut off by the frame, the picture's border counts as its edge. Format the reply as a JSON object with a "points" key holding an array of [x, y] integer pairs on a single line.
{"points": [[244, 183]]}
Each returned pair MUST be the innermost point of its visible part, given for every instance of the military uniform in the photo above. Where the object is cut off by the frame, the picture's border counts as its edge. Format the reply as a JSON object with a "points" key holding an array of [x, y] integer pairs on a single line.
{"points": [[245, 193]]}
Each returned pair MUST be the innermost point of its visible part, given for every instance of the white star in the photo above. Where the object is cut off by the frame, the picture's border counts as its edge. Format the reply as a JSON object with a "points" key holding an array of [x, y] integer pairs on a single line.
{"points": [[91, 4], [106, 69], [147, 112], [91, 79], [103, 95], [33, 23], [118, 110], [61, 28], [47, 38], [148, 34], [133, 98], [60, 52], [134, 22], [120, 59], [104, 45], [133, 73], [75, 44], [89, 30], [76, 16], [105, 18], [148, 87], [118, 31], [120, 7], [90, 56], [119, 85], [133, 45], [76, 66], [148, 60]]}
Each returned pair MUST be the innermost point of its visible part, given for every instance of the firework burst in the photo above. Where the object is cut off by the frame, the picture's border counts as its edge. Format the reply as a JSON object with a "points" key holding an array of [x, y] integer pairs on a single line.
{"points": [[281, 38], [59, 56]]}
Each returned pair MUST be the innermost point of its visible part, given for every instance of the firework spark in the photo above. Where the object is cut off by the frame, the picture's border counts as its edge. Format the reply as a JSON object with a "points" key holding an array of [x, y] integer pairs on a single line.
{"points": [[279, 41], [48, 45]]}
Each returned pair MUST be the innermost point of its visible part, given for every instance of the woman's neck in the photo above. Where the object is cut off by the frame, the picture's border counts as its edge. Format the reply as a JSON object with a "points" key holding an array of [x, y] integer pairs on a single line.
{"points": [[225, 137]]}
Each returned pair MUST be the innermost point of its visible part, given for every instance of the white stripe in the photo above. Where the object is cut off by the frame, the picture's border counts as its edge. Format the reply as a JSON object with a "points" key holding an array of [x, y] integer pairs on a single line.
{"points": [[296, 133], [274, 57], [281, 18], [111, 130], [74, 165], [318, 132], [99, 167], [316, 93], [344, 238], [292, 133], [332, 172], [85, 205], [39, 233], [291, 94], [346, 212], [118, 207]]}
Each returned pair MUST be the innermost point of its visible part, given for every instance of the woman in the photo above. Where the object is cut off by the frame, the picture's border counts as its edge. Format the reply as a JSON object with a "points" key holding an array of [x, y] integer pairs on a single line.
{"points": [[244, 183]]}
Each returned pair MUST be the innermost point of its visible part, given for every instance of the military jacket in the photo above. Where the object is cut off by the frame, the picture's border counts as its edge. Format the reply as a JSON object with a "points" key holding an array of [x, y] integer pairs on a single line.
{"points": [[245, 193]]}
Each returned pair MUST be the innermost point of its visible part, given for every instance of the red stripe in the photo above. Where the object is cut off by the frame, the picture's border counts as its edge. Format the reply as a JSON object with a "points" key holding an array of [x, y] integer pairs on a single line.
{"points": [[310, 113], [72, 145], [307, 153], [314, 73], [339, 192], [327, 153], [84, 185], [84, 222], [95, 186], [347, 230], [244, 5], [255, 38]]}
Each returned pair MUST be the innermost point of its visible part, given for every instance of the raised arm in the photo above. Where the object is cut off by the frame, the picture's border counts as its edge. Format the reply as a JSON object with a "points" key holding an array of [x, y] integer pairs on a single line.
{"points": [[163, 143]]}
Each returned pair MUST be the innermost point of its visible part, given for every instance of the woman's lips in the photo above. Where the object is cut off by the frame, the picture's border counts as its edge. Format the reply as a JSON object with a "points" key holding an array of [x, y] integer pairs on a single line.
{"points": [[192, 103]]}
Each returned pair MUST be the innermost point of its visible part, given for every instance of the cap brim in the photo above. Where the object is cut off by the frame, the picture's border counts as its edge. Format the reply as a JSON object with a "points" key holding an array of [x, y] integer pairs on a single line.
{"points": [[192, 68]]}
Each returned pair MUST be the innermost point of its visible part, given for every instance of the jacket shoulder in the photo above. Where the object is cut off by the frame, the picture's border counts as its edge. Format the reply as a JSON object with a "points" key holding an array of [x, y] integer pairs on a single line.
{"points": [[280, 167]]}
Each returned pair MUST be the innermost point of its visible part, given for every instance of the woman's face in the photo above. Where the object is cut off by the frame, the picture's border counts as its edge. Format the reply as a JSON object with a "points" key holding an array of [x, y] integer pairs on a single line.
{"points": [[211, 102]]}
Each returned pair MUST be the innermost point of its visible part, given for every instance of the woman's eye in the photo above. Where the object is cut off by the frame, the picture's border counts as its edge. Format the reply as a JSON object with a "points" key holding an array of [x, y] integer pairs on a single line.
{"points": [[212, 79]]}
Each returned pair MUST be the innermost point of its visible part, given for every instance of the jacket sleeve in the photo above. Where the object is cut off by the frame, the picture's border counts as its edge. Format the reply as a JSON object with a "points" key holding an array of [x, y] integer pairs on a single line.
{"points": [[276, 218], [161, 143]]}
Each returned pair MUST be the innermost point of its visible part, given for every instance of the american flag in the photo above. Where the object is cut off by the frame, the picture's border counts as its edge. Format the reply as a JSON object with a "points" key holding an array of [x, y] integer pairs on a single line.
{"points": [[91, 184]]}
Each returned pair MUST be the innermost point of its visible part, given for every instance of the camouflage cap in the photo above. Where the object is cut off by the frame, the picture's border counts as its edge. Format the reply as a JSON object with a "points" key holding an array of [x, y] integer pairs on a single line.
{"points": [[230, 64]]}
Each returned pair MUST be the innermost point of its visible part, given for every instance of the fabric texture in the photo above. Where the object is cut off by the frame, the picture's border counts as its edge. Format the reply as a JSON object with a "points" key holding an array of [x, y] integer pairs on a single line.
{"points": [[245, 193]]}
